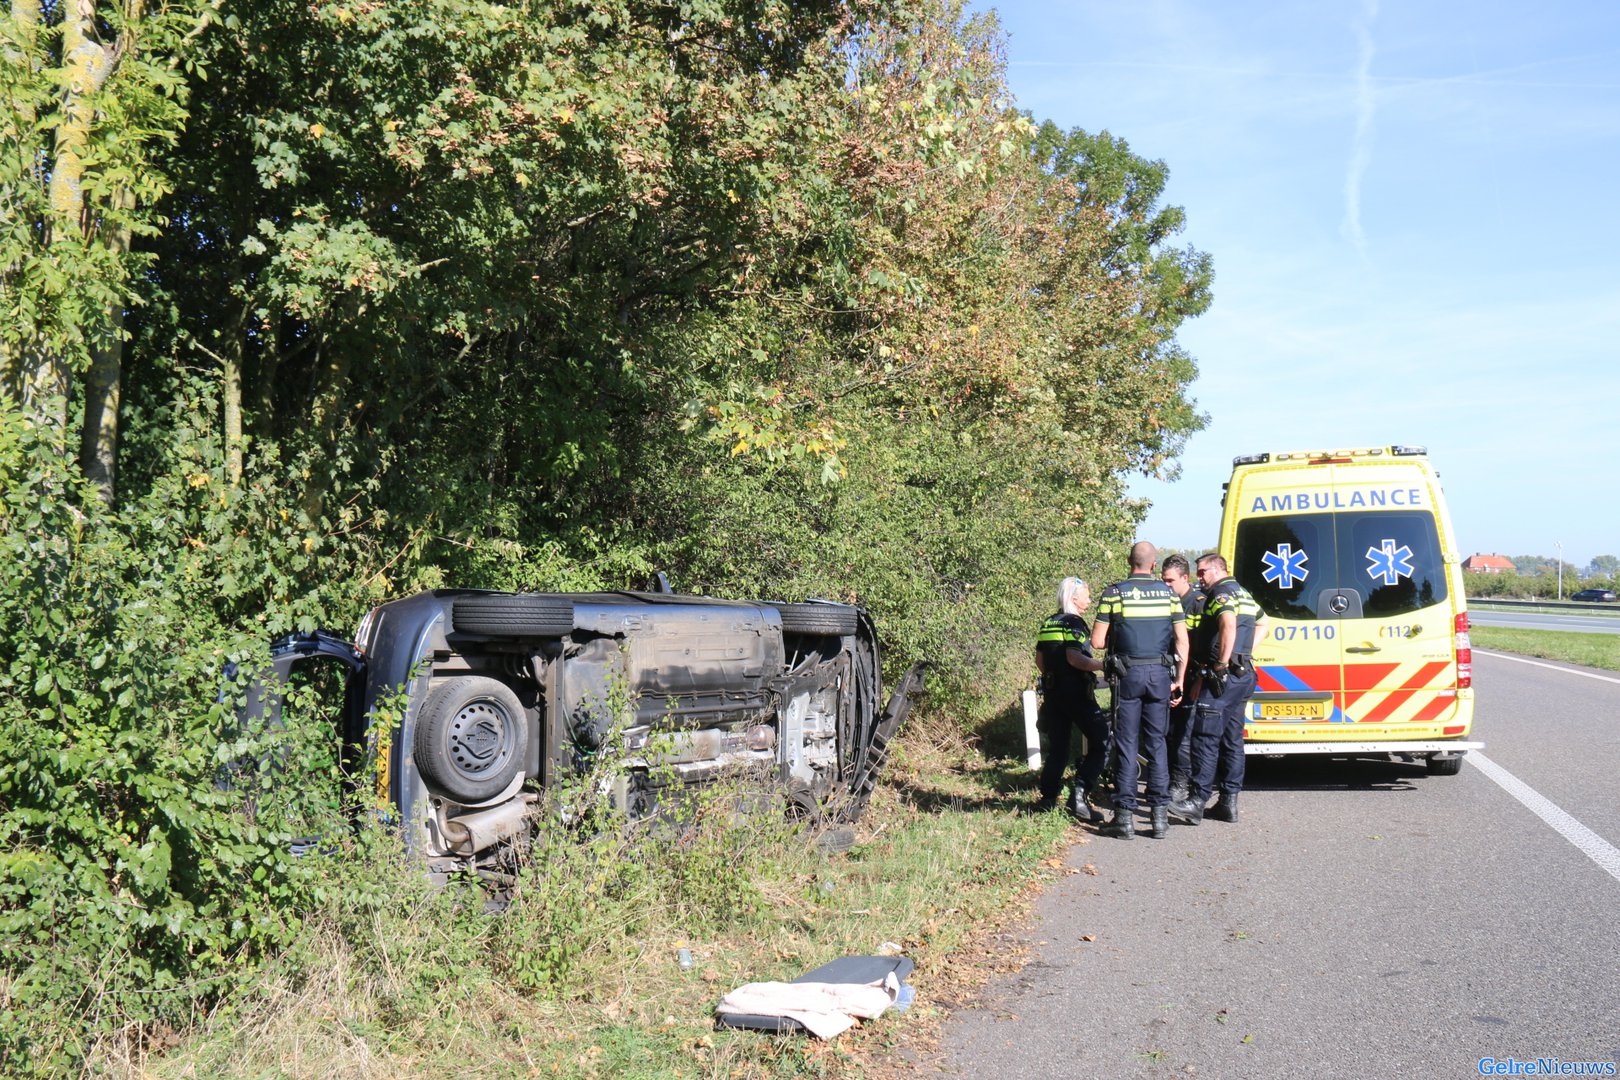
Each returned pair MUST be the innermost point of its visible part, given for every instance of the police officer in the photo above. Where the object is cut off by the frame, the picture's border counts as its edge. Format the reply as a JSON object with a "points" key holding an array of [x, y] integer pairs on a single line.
{"points": [[1175, 573], [1069, 700], [1141, 623], [1222, 653]]}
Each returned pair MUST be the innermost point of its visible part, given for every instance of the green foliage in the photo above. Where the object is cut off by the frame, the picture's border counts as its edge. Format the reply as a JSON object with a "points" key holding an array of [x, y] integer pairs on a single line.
{"points": [[786, 299], [1532, 582], [93, 91], [136, 878]]}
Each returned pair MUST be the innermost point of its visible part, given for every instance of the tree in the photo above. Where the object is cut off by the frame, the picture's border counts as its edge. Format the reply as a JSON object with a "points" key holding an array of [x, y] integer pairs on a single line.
{"points": [[94, 88]]}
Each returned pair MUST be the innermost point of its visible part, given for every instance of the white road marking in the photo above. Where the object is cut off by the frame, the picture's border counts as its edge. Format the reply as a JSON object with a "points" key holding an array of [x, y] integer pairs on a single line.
{"points": [[1552, 667], [1593, 846]]}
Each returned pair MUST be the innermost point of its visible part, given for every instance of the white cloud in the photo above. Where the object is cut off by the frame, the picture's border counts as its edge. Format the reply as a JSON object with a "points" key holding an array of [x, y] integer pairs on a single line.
{"points": [[1366, 104]]}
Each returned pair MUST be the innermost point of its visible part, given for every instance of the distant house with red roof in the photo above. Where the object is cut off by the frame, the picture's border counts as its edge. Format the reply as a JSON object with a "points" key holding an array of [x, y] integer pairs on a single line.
{"points": [[1488, 564]]}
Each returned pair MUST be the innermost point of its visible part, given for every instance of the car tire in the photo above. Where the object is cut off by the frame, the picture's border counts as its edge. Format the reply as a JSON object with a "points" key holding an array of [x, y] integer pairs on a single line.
{"points": [[472, 738], [818, 619], [514, 615], [1448, 766]]}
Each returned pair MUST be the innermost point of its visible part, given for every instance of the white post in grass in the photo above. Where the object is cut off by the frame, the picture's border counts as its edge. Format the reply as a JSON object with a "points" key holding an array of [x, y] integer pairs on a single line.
{"points": [[1032, 735]]}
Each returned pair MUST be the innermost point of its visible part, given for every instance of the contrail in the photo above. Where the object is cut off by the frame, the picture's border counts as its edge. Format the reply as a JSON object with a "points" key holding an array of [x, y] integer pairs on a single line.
{"points": [[1361, 147]]}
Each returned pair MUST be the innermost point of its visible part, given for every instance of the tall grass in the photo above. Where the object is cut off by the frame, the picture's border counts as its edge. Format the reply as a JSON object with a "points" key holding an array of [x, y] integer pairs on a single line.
{"points": [[578, 976]]}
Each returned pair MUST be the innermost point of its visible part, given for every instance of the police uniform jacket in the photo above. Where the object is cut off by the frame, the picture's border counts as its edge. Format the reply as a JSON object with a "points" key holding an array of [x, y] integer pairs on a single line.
{"points": [[1192, 605], [1226, 595], [1141, 613], [1061, 681]]}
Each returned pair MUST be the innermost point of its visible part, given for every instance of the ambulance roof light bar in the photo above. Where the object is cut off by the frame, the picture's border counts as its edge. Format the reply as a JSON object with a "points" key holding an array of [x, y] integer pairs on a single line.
{"points": [[1409, 451]]}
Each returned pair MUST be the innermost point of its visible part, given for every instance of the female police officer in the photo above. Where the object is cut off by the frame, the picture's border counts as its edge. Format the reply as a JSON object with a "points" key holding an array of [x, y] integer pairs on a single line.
{"points": [[1069, 700]]}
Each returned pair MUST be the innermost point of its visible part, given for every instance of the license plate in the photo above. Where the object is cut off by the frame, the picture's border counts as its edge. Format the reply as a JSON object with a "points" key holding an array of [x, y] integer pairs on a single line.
{"points": [[1291, 710]]}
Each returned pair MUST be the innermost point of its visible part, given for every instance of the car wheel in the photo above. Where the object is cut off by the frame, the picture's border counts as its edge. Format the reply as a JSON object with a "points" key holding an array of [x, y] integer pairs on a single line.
{"points": [[472, 738], [1444, 766], [520, 615], [818, 619]]}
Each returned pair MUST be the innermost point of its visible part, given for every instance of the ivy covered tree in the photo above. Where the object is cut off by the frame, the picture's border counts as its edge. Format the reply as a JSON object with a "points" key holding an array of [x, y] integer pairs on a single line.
{"points": [[94, 90]]}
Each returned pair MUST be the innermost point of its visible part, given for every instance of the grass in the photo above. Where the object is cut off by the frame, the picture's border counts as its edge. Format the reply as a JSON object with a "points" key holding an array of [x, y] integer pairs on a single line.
{"points": [[1587, 650], [579, 977]]}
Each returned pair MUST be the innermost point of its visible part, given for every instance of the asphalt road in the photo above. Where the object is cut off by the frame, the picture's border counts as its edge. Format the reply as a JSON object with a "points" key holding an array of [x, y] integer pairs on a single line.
{"points": [[1537, 620], [1363, 919]]}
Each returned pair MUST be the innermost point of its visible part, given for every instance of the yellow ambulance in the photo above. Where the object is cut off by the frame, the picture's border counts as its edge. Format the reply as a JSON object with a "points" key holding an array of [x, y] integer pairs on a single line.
{"points": [[1352, 558]]}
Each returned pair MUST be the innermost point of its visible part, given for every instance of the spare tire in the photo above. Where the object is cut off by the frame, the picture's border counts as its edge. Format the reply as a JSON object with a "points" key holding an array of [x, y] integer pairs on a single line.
{"points": [[514, 615], [472, 738], [837, 619]]}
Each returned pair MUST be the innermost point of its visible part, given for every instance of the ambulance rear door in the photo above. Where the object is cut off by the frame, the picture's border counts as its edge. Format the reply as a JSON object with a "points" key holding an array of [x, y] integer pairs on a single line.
{"points": [[1400, 673], [1284, 550]]}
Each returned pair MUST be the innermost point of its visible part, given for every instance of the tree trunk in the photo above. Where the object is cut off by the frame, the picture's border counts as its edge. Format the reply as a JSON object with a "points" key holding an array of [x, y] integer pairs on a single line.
{"points": [[85, 67], [103, 384], [331, 391], [98, 437], [230, 355]]}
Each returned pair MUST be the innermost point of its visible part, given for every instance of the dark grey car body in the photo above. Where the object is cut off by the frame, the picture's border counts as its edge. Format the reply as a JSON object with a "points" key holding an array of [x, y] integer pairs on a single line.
{"points": [[507, 694]]}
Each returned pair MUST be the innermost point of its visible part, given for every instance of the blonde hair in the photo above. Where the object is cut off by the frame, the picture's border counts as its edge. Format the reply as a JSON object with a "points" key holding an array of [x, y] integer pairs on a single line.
{"points": [[1066, 590]]}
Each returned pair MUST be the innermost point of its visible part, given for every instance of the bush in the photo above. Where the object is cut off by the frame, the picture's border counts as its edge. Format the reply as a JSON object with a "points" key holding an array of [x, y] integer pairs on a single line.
{"points": [[136, 883]]}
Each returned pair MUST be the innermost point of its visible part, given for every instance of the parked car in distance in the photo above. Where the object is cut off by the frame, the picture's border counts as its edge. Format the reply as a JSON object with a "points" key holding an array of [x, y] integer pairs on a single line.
{"points": [[507, 695], [1605, 596]]}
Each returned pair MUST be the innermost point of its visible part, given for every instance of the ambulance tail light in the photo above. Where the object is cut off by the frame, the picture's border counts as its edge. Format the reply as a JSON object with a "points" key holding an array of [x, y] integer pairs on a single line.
{"points": [[1465, 653]]}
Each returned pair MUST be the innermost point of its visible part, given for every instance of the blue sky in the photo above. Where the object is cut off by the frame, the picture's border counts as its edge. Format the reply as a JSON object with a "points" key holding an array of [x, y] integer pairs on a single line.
{"points": [[1414, 213]]}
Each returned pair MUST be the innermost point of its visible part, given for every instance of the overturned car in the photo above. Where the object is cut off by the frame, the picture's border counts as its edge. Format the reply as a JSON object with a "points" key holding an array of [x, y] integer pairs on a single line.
{"points": [[507, 694]]}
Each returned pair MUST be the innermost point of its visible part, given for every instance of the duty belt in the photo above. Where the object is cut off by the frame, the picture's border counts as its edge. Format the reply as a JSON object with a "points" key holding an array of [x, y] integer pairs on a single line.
{"points": [[1142, 661]]}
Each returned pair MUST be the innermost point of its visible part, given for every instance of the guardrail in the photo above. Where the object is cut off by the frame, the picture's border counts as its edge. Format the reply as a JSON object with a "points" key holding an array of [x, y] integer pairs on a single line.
{"points": [[1598, 608]]}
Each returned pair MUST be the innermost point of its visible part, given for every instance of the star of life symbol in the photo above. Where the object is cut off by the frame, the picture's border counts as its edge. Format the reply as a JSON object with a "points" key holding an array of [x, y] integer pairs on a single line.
{"points": [[1388, 562], [1284, 566]]}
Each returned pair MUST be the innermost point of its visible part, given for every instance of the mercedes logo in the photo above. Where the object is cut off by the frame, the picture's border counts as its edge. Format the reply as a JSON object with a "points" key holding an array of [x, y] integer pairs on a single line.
{"points": [[1339, 603]]}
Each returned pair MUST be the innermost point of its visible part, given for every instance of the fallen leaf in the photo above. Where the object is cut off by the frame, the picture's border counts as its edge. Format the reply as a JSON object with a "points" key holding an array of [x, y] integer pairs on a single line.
{"points": [[1089, 869], [1088, 937], [1248, 1039]]}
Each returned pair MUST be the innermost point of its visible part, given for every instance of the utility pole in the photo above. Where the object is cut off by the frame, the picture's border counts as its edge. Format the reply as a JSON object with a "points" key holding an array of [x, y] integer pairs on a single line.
{"points": [[1559, 544]]}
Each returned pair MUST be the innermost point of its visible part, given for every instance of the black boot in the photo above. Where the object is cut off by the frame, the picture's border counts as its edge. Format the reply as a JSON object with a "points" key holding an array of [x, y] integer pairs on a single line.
{"points": [[1122, 824], [1080, 807], [1180, 788], [1188, 811], [1161, 822], [1225, 808]]}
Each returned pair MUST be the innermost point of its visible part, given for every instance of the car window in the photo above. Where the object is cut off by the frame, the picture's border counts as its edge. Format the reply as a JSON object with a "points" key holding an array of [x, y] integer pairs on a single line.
{"points": [[1286, 562], [1394, 560], [1391, 559]]}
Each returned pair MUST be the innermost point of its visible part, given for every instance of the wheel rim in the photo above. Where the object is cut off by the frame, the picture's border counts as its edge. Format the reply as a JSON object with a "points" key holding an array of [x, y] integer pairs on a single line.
{"points": [[480, 739]]}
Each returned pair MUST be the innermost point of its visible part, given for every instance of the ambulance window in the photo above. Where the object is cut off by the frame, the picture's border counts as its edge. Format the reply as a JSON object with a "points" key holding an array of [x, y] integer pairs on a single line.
{"points": [[1393, 560], [1286, 562]]}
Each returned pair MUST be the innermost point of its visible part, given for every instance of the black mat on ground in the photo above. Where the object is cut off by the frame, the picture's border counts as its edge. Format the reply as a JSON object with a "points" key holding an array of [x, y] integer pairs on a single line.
{"points": [[859, 970]]}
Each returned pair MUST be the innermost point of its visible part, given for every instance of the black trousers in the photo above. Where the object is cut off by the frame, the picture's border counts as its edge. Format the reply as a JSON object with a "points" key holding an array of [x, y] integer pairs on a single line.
{"points": [[1060, 718], [1217, 739], [1180, 743], [1141, 720]]}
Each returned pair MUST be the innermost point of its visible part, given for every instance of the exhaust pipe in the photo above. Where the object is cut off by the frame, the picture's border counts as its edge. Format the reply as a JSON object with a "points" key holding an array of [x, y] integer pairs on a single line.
{"points": [[472, 833]]}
